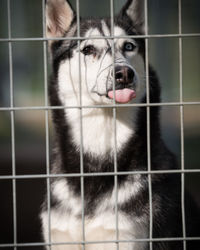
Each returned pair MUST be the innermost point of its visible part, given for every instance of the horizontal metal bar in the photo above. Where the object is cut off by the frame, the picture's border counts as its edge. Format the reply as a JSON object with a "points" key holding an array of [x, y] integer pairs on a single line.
{"points": [[41, 176], [99, 106], [100, 242], [28, 39]]}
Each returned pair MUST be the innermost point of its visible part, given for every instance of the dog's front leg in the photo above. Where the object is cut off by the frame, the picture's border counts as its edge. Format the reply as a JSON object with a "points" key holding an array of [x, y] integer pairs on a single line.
{"points": [[63, 236], [101, 234]]}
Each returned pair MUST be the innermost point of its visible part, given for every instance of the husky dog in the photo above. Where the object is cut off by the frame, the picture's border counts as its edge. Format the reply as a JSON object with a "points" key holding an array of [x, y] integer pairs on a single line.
{"points": [[102, 80]]}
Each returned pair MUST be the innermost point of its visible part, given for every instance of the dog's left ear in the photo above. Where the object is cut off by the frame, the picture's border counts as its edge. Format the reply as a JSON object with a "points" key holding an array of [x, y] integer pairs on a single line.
{"points": [[134, 9], [59, 16]]}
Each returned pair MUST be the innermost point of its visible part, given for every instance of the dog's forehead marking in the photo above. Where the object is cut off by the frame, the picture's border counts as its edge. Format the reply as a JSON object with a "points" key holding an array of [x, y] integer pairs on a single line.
{"points": [[105, 29], [105, 32], [93, 32], [119, 31]]}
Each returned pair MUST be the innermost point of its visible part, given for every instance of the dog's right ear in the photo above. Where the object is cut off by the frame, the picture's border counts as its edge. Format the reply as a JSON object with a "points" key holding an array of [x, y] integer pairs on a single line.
{"points": [[59, 16]]}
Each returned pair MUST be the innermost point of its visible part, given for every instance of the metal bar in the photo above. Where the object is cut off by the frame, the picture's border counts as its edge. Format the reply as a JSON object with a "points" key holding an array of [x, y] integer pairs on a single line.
{"points": [[115, 173], [28, 39], [181, 122], [148, 125], [114, 125], [81, 128], [99, 106], [46, 122], [12, 116], [41, 176], [100, 242]]}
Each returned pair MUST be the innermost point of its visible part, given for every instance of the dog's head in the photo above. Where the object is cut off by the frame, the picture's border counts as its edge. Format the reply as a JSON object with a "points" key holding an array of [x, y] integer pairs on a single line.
{"points": [[97, 62]]}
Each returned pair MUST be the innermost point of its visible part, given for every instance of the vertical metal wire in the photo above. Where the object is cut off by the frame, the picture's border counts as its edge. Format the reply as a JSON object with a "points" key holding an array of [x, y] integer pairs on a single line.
{"points": [[181, 122], [81, 129], [148, 126], [114, 126], [12, 116], [46, 125]]}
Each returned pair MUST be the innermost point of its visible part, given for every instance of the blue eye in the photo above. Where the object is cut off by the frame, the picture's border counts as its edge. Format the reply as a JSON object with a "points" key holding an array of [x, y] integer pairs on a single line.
{"points": [[128, 46]]}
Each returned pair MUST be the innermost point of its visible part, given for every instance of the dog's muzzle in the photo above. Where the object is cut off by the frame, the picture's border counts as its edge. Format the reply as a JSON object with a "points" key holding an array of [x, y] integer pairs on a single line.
{"points": [[124, 75], [124, 87]]}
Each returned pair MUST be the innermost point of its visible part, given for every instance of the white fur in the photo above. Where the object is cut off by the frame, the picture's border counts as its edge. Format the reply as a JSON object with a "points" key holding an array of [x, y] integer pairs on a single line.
{"points": [[128, 190], [98, 124], [66, 198], [67, 226], [98, 129], [105, 28], [125, 192], [59, 16]]}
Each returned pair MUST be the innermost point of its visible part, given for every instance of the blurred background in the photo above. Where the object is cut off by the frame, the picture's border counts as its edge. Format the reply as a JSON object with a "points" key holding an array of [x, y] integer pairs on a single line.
{"points": [[28, 80]]}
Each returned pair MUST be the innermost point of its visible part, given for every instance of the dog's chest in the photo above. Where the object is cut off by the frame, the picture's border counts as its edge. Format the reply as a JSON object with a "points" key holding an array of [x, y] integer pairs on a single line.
{"points": [[67, 222], [101, 133], [105, 221], [67, 227]]}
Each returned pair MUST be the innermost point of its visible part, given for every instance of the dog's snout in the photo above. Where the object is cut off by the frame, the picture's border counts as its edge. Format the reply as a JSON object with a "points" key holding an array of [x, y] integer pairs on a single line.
{"points": [[124, 74]]}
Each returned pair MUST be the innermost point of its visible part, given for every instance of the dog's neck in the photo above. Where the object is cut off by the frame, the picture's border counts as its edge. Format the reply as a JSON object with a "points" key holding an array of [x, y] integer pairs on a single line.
{"points": [[98, 129]]}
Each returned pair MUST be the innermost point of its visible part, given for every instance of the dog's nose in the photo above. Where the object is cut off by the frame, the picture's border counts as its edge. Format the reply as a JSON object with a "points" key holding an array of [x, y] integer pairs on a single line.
{"points": [[124, 74]]}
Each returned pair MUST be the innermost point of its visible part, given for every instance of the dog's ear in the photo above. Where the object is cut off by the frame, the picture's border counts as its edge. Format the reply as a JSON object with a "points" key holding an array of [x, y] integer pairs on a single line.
{"points": [[59, 16], [134, 9]]}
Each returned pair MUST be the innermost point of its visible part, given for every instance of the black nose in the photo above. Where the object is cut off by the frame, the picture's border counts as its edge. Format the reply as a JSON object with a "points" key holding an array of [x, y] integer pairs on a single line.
{"points": [[124, 74]]}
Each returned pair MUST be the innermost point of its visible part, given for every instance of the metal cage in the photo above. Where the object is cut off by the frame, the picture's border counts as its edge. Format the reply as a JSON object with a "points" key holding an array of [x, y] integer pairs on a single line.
{"points": [[181, 104]]}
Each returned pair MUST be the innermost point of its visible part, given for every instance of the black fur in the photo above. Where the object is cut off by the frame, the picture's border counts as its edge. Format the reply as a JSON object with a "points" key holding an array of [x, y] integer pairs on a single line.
{"points": [[166, 188]]}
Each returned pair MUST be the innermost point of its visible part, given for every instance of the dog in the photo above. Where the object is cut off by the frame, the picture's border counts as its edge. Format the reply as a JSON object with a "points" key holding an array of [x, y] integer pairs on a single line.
{"points": [[94, 73]]}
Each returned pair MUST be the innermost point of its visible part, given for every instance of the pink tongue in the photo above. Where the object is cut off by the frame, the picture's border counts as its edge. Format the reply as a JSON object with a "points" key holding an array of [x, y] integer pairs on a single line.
{"points": [[122, 95]]}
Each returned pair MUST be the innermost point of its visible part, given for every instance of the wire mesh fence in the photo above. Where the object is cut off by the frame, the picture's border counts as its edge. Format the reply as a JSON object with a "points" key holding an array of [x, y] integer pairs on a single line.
{"points": [[47, 108]]}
